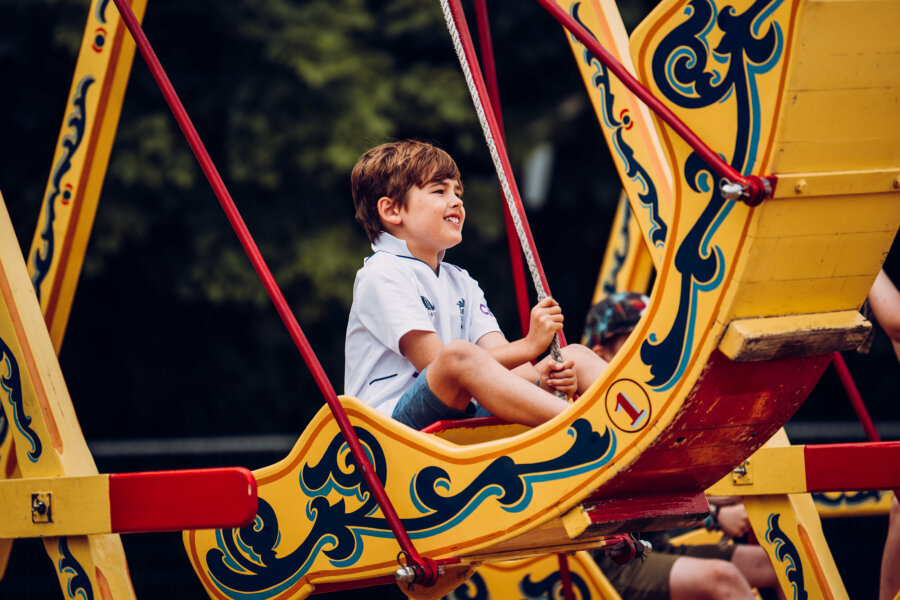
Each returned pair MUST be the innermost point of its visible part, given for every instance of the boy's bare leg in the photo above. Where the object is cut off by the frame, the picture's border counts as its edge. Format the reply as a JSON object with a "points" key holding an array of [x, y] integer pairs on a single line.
{"points": [[707, 579], [463, 370], [890, 560], [588, 366], [755, 566]]}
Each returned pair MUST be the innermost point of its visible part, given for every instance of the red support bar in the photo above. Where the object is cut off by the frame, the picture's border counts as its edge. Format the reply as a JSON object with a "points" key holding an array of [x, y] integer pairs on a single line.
{"points": [[756, 189], [490, 73], [852, 467], [565, 576], [855, 398], [459, 18], [426, 565], [177, 500]]}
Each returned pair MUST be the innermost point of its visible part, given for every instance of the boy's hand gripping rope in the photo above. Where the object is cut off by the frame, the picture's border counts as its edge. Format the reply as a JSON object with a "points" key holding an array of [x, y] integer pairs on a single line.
{"points": [[465, 52]]}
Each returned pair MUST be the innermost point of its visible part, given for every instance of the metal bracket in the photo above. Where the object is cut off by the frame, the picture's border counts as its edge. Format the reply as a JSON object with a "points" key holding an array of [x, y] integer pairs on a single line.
{"points": [[742, 474], [41, 508]]}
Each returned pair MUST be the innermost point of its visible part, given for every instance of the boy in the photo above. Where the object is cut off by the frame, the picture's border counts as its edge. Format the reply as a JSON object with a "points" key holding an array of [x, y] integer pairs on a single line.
{"points": [[421, 342]]}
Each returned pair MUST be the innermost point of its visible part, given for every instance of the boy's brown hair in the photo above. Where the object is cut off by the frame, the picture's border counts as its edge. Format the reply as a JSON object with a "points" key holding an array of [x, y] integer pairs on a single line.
{"points": [[391, 170]]}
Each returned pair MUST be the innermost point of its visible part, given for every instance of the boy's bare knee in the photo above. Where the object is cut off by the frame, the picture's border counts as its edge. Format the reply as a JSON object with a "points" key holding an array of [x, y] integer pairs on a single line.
{"points": [[575, 351], [458, 353], [726, 580], [708, 579]]}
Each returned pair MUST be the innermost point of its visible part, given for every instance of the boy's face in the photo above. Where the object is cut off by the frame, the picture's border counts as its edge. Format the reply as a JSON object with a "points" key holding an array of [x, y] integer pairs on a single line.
{"points": [[433, 216]]}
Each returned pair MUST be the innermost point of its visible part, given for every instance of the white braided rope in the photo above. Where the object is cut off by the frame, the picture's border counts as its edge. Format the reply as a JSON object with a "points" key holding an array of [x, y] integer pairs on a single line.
{"points": [[498, 164]]}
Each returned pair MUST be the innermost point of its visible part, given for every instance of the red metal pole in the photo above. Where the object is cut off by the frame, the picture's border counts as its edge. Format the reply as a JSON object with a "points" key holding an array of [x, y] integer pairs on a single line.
{"points": [[565, 576], [856, 401], [756, 188], [240, 228], [855, 398], [459, 18], [490, 74]]}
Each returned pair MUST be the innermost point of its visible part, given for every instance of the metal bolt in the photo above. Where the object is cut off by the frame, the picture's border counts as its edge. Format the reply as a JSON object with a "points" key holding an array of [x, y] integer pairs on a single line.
{"points": [[800, 187], [38, 507], [41, 508]]}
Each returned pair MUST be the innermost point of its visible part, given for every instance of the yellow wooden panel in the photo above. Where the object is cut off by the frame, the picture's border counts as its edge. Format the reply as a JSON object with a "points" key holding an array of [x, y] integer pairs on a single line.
{"points": [[823, 61], [828, 214], [78, 505], [80, 160], [839, 129], [846, 184], [813, 257], [800, 296]]}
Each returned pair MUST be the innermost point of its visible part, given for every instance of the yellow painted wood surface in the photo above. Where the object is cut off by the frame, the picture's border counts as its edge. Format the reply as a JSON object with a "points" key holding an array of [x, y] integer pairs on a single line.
{"points": [[66, 217], [794, 335], [853, 504], [80, 160], [78, 506], [627, 128], [789, 528], [538, 578], [311, 502], [627, 264], [48, 438]]}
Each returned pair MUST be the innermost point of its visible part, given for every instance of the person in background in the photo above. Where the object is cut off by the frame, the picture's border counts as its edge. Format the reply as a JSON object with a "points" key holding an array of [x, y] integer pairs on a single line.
{"points": [[713, 571], [884, 300]]}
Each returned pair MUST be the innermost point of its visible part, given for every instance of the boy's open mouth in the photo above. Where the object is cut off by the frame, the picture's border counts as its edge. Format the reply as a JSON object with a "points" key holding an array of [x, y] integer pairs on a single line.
{"points": [[452, 219]]}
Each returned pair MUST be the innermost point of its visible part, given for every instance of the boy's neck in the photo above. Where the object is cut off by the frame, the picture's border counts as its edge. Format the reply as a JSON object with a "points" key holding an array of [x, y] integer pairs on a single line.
{"points": [[429, 258]]}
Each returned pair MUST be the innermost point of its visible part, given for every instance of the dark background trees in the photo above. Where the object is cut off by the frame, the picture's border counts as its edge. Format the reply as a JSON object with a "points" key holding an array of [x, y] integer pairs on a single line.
{"points": [[171, 334]]}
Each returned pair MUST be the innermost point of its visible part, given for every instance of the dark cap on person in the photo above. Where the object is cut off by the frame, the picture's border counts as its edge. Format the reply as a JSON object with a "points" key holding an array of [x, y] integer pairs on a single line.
{"points": [[614, 315]]}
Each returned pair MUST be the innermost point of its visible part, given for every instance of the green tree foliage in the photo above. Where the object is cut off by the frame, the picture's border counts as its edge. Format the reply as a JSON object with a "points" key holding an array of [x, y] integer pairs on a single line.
{"points": [[286, 95]]}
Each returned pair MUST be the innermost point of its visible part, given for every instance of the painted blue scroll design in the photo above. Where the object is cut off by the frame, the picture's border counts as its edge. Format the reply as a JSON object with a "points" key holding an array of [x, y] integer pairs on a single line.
{"points": [[551, 587], [648, 196], [245, 561], [610, 286], [4, 427], [786, 552], [473, 589], [11, 386], [680, 70], [845, 499], [101, 10], [77, 119], [79, 584]]}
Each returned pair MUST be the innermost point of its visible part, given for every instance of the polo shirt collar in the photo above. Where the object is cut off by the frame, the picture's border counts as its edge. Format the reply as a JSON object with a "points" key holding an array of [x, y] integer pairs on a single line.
{"points": [[393, 245]]}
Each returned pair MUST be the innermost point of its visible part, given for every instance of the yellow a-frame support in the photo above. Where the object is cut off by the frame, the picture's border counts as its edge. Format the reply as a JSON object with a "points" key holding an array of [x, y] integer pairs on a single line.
{"points": [[43, 438]]}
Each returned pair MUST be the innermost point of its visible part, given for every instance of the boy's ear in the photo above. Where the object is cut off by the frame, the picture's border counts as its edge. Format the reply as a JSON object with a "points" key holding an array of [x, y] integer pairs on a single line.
{"points": [[388, 210]]}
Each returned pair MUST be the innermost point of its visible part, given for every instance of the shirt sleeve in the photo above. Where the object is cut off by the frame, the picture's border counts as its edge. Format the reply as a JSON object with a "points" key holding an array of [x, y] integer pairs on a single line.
{"points": [[483, 320], [389, 305]]}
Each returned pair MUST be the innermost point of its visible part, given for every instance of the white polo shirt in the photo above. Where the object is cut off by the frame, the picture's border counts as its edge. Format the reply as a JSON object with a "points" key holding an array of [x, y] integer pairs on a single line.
{"points": [[394, 294]]}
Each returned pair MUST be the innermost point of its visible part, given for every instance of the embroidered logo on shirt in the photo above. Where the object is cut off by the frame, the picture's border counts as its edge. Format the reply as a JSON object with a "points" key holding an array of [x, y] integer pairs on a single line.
{"points": [[462, 313], [483, 307], [428, 305]]}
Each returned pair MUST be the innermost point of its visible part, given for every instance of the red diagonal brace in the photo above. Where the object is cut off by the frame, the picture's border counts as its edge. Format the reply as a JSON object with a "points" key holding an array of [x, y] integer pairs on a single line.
{"points": [[426, 565], [756, 189]]}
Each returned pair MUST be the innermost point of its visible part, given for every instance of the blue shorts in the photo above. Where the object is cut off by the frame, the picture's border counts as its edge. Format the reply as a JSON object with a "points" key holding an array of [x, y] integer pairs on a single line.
{"points": [[418, 407]]}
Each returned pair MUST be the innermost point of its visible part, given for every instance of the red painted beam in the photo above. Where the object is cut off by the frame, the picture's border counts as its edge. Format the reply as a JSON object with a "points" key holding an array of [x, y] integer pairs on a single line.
{"points": [[177, 500], [849, 467]]}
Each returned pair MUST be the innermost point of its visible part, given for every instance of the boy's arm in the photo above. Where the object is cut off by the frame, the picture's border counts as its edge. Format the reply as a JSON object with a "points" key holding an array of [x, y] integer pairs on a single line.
{"points": [[509, 354], [546, 320], [885, 302], [420, 347]]}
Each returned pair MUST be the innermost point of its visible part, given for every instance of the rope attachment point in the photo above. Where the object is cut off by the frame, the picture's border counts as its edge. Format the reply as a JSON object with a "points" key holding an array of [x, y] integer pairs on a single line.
{"points": [[425, 572], [752, 193]]}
